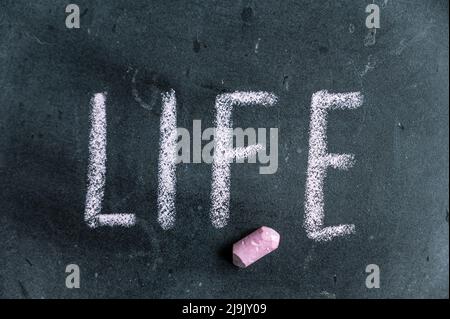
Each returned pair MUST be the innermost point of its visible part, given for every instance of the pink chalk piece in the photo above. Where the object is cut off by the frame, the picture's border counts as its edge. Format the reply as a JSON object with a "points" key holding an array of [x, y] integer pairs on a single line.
{"points": [[249, 249]]}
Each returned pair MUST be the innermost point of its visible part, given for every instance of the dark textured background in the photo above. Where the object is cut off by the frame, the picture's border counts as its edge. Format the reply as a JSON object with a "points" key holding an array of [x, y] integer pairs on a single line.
{"points": [[397, 194]]}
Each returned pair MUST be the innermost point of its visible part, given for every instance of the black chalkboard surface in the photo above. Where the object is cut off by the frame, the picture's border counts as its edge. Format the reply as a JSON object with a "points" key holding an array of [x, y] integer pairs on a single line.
{"points": [[395, 194]]}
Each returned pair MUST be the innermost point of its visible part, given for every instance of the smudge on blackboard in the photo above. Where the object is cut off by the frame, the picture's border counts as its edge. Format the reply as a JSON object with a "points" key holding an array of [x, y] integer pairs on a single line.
{"points": [[371, 63], [247, 15], [404, 43], [328, 295], [28, 262], [136, 94], [23, 290], [39, 41], [257, 45], [351, 28], [370, 38], [85, 11], [196, 45], [286, 82]]}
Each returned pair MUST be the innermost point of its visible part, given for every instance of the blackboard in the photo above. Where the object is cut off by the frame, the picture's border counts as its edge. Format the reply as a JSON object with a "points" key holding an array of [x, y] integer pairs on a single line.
{"points": [[396, 193]]}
